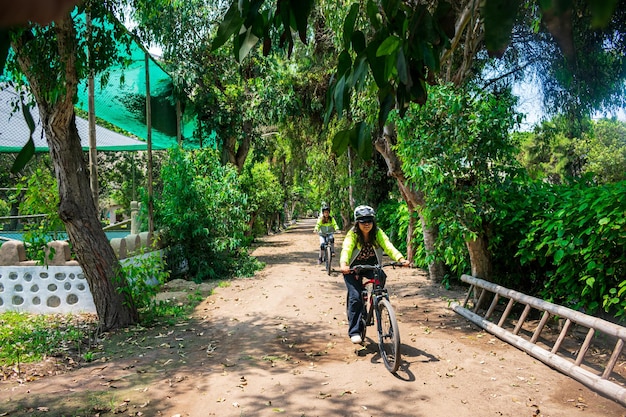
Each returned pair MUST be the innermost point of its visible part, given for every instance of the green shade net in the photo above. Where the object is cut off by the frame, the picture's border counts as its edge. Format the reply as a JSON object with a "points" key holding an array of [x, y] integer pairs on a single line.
{"points": [[14, 131], [121, 101]]}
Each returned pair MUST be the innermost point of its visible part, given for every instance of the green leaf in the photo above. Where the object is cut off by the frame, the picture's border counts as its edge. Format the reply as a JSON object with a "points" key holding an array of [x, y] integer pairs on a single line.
{"points": [[29, 118], [429, 58], [253, 13], [373, 14], [344, 63], [403, 71], [389, 46], [604, 221], [339, 94], [558, 255], [360, 70], [390, 7], [23, 156], [27, 152], [348, 24], [230, 25], [386, 100], [377, 66], [358, 42], [499, 17], [341, 140], [246, 42], [364, 141], [301, 10]]}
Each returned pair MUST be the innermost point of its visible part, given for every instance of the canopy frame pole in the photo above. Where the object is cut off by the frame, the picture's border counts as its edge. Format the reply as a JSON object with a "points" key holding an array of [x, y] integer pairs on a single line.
{"points": [[149, 141], [93, 152]]}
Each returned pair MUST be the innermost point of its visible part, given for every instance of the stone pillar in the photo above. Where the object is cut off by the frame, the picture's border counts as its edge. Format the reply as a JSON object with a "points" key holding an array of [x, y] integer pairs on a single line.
{"points": [[12, 252], [133, 244], [119, 247], [146, 240], [134, 212]]}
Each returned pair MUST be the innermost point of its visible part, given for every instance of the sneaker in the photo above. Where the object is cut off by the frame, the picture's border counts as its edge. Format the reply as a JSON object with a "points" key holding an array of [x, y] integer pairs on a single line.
{"points": [[356, 339]]}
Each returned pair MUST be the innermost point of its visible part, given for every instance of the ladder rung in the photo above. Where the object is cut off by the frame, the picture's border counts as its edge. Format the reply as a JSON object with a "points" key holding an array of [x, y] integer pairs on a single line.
{"points": [[469, 292], [559, 340], [585, 346], [522, 319], [483, 293], [611, 364], [507, 310], [542, 323], [492, 307]]}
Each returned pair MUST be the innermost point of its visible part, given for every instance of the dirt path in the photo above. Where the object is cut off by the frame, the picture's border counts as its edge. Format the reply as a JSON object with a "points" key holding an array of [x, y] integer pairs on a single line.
{"points": [[277, 344]]}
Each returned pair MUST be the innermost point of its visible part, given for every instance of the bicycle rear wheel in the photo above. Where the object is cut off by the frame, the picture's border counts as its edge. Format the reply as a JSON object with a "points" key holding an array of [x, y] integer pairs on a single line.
{"points": [[388, 335], [329, 258]]}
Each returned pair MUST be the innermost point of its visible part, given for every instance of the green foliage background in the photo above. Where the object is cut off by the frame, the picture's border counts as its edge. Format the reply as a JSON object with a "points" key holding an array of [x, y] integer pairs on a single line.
{"points": [[203, 216]]}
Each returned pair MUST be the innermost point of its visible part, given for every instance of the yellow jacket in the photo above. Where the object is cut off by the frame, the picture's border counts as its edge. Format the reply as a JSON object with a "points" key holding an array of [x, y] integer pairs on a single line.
{"points": [[381, 243], [326, 227]]}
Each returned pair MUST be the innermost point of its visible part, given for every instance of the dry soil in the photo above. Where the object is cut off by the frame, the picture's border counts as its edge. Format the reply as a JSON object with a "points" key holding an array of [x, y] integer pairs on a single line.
{"points": [[277, 344]]}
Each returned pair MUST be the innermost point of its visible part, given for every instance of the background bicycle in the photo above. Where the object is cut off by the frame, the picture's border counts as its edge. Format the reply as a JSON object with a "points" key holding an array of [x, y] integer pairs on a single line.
{"points": [[329, 250], [327, 246]]}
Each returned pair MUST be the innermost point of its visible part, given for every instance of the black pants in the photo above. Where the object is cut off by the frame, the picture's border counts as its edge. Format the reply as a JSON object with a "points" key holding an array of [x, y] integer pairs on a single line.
{"points": [[355, 302]]}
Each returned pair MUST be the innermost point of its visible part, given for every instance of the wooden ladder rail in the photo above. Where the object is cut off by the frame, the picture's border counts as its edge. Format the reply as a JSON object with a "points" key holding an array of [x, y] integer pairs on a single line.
{"points": [[600, 383]]}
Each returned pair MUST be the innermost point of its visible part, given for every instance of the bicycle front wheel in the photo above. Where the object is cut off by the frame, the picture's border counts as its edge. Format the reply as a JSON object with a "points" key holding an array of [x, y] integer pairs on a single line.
{"points": [[388, 335], [329, 258]]}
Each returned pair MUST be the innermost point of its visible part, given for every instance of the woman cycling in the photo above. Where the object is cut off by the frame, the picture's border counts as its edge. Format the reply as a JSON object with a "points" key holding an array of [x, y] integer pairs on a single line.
{"points": [[325, 227], [364, 244]]}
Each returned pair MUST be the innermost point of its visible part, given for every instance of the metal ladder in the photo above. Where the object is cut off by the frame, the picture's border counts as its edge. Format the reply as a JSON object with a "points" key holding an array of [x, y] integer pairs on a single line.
{"points": [[480, 289]]}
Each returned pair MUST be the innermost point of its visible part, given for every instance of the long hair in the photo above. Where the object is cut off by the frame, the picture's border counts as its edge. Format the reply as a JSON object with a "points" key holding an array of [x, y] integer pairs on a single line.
{"points": [[359, 235]]}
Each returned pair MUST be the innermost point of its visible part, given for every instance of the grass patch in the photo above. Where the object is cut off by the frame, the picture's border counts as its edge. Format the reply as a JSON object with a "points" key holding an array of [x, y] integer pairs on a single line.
{"points": [[26, 338]]}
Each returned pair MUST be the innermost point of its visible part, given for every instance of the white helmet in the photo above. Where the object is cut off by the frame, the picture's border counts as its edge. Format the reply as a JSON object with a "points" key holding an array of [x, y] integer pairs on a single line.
{"points": [[364, 214]]}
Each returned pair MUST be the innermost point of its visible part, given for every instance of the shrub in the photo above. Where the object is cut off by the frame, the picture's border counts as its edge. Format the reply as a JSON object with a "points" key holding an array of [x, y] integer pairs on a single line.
{"points": [[202, 215], [577, 235]]}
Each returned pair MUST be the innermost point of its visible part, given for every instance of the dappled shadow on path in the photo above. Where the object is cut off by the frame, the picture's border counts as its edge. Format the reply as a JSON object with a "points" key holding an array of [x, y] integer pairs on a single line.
{"points": [[277, 344]]}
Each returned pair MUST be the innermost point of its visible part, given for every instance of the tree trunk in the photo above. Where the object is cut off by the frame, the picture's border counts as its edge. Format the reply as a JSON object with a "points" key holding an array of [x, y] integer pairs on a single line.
{"points": [[77, 210], [430, 233], [235, 153], [413, 198], [480, 258]]}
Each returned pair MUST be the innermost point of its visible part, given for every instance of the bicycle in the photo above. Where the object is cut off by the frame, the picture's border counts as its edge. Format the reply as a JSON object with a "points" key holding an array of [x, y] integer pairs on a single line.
{"points": [[376, 304], [327, 247]]}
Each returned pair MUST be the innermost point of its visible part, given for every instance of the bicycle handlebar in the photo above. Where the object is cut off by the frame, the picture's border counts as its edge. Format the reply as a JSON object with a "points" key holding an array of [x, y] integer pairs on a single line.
{"points": [[359, 268]]}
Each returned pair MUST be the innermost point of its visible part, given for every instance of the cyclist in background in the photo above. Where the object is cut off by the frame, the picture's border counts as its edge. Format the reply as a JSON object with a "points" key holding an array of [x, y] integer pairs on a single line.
{"points": [[326, 224], [364, 244]]}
